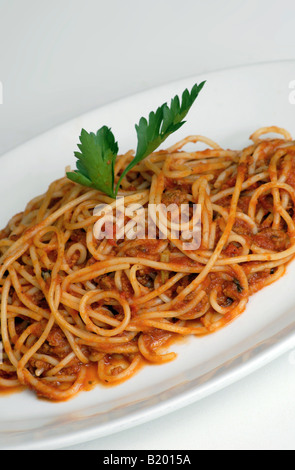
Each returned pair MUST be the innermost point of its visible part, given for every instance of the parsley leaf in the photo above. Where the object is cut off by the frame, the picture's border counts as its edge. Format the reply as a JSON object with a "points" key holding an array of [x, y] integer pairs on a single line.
{"points": [[98, 152], [96, 160], [152, 133]]}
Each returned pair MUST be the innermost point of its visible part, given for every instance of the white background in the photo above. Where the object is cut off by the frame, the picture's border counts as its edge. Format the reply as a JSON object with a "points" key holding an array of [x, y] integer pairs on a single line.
{"points": [[61, 58]]}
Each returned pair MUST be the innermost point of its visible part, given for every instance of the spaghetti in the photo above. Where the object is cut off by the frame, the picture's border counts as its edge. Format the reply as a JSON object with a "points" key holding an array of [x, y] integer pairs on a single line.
{"points": [[75, 309]]}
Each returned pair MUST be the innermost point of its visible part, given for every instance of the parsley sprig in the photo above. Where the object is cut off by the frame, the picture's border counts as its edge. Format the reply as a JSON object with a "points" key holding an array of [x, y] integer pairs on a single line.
{"points": [[98, 152]]}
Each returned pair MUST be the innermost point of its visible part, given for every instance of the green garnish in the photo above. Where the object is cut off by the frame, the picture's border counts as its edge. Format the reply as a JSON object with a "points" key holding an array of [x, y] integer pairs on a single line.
{"points": [[96, 159]]}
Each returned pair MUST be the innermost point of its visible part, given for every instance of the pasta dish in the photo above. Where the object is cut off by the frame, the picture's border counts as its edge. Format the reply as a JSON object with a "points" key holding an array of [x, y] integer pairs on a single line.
{"points": [[78, 310]]}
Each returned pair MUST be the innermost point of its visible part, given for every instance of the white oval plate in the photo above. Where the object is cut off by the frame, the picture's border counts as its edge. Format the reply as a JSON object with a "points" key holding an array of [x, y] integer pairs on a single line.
{"points": [[232, 105]]}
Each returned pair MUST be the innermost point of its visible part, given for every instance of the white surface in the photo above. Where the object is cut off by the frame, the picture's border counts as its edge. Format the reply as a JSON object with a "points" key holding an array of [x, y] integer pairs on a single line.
{"points": [[60, 59]]}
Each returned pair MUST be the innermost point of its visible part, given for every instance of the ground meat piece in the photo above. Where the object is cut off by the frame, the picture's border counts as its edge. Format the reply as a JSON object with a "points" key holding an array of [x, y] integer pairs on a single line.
{"points": [[233, 290], [272, 239], [243, 203], [56, 338], [127, 288], [147, 248], [39, 365], [105, 282], [144, 277], [267, 202], [232, 249], [73, 368]]}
